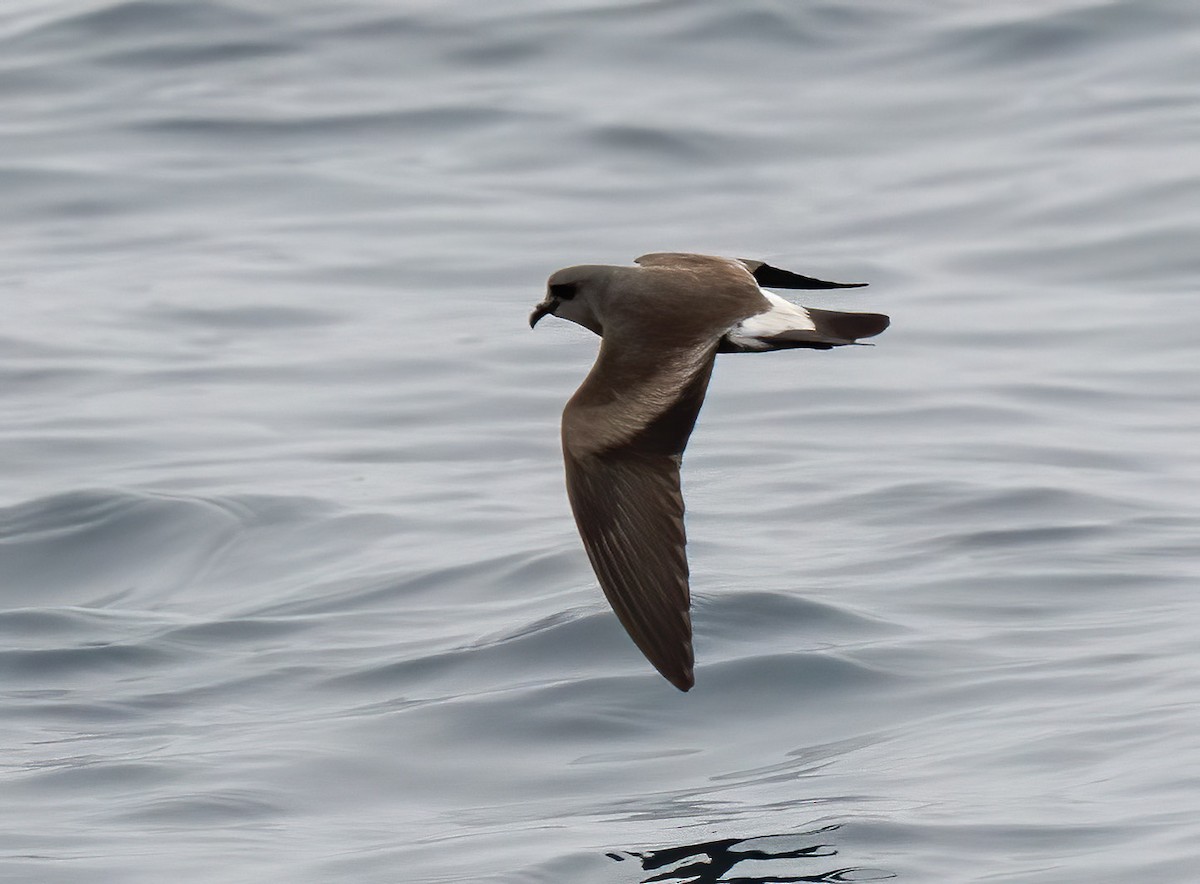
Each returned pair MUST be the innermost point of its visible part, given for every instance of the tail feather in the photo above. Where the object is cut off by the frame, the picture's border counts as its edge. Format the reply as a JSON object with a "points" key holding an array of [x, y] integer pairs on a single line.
{"points": [[848, 326], [791, 327]]}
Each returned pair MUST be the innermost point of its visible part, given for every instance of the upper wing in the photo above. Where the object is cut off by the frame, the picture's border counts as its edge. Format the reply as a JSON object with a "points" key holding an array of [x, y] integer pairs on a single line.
{"points": [[673, 259], [625, 494], [764, 274], [774, 278], [686, 261]]}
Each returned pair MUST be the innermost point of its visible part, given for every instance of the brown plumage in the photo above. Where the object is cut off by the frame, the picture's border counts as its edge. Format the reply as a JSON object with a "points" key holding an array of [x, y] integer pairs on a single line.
{"points": [[624, 431]]}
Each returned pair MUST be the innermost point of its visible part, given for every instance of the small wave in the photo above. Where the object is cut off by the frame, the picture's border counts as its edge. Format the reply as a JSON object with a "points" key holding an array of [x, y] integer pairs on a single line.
{"points": [[91, 548]]}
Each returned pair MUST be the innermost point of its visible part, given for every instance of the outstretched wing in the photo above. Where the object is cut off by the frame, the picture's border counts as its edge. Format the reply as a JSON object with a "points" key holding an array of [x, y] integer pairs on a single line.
{"points": [[629, 510], [626, 497], [764, 274], [774, 278]]}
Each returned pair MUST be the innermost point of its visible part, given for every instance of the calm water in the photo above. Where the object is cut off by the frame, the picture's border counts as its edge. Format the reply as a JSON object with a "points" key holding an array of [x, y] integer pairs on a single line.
{"points": [[289, 590]]}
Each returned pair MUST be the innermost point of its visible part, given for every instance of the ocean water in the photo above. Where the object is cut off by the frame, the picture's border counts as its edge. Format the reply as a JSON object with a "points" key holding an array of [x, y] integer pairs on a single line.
{"points": [[289, 589]]}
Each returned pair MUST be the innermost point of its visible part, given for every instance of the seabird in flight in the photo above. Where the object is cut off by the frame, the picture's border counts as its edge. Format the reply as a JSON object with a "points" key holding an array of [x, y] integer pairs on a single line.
{"points": [[662, 324]]}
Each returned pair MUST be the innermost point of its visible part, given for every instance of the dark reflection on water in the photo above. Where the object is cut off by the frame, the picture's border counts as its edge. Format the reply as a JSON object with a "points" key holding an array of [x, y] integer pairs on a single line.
{"points": [[708, 862]]}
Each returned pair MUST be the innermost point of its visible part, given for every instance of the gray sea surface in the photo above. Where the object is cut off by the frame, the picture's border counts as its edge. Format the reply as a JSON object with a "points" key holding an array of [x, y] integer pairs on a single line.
{"points": [[289, 587]]}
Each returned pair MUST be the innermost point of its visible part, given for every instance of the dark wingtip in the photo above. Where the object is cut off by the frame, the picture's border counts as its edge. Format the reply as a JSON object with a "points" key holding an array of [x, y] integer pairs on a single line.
{"points": [[685, 682], [683, 674], [775, 278]]}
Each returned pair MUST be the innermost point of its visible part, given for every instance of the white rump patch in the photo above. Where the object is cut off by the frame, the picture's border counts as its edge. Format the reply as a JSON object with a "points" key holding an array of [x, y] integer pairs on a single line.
{"points": [[782, 317]]}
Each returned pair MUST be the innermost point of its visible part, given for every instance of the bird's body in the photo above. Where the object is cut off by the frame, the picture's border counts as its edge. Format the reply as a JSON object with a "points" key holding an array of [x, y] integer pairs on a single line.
{"points": [[662, 324]]}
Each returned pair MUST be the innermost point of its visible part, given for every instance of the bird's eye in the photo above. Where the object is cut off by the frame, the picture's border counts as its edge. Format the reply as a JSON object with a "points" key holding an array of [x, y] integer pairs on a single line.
{"points": [[564, 291]]}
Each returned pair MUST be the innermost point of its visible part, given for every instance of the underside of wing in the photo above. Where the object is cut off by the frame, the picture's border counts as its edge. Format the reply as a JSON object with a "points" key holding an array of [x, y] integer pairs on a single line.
{"points": [[629, 510], [624, 492]]}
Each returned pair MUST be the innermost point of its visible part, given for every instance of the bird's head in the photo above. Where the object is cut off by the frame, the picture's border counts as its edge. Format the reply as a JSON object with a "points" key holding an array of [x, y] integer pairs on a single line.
{"points": [[574, 293]]}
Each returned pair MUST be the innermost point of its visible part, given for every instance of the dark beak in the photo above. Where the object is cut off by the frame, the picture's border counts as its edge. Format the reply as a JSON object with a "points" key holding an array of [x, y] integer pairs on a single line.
{"points": [[546, 308]]}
